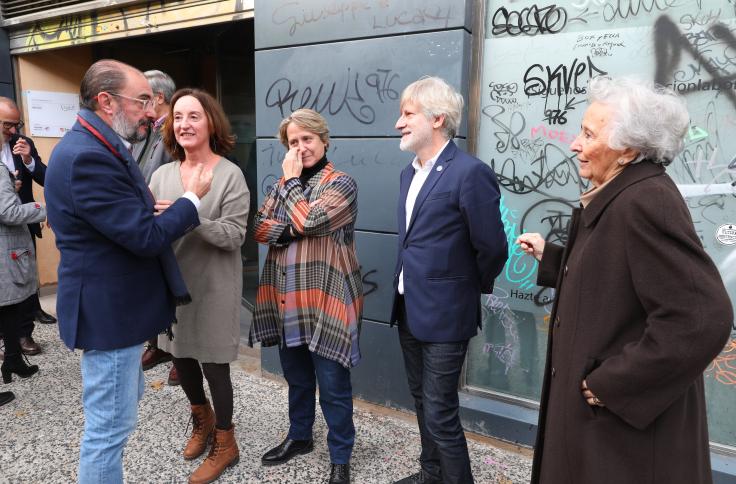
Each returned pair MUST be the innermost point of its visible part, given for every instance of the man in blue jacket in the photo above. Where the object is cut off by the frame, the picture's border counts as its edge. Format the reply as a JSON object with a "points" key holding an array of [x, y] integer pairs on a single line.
{"points": [[451, 247], [118, 278]]}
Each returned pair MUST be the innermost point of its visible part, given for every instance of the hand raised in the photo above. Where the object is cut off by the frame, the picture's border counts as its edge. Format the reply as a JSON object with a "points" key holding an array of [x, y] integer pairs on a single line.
{"points": [[292, 164], [23, 149], [532, 244], [200, 181]]}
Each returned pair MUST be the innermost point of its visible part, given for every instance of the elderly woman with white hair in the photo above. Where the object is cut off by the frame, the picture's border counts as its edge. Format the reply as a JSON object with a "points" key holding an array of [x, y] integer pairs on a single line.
{"points": [[641, 309]]}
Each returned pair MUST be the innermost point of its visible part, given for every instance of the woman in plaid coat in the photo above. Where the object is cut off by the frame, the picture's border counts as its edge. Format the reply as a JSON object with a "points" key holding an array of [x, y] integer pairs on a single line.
{"points": [[310, 298]]}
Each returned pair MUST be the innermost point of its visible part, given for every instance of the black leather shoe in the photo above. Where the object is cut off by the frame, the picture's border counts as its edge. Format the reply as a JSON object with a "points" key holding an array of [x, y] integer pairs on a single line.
{"points": [[286, 450], [340, 474], [420, 477], [43, 317], [28, 346], [6, 397]]}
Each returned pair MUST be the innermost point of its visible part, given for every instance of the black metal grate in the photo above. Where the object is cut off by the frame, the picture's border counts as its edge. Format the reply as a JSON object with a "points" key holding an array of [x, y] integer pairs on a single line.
{"points": [[15, 8]]}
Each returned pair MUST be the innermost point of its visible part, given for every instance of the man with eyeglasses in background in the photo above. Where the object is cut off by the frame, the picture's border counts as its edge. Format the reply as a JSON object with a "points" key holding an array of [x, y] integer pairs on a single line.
{"points": [[20, 156], [150, 154]]}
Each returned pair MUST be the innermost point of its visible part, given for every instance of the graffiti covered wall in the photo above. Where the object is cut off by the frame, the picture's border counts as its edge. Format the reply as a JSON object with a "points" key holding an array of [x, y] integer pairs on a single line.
{"points": [[350, 61], [538, 58]]}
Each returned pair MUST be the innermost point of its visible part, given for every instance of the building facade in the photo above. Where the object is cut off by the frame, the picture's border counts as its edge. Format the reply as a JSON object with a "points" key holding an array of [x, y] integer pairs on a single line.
{"points": [[522, 68]]}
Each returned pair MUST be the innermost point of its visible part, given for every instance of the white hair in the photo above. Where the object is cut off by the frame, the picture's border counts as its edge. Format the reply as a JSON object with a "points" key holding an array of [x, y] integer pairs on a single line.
{"points": [[436, 98], [647, 117], [161, 82]]}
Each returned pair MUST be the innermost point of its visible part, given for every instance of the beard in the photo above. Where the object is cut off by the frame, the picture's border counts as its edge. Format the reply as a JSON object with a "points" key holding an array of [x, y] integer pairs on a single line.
{"points": [[128, 130], [416, 140]]}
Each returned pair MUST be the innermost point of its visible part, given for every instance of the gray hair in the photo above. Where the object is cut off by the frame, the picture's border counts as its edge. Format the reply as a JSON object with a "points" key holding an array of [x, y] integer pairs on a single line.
{"points": [[161, 82], [308, 119], [436, 98], [647, 117], [104, 75]]}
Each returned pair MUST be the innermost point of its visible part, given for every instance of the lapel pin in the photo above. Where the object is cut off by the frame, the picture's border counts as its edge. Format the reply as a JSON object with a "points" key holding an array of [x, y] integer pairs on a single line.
{"points": [[439, 168]]}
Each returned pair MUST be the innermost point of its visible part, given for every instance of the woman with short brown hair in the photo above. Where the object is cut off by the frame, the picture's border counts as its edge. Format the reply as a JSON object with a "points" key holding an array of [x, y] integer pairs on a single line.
{"points": [[310, 297]]}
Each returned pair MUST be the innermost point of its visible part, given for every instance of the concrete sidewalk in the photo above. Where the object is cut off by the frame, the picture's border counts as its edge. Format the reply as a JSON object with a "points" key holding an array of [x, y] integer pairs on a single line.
{"points": [[41, 429]]}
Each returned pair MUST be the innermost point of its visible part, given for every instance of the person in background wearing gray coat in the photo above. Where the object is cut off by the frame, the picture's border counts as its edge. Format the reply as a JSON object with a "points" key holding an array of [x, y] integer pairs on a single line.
{"points": [[207, 334], [19, 154], [151, 153], [18, 275]]}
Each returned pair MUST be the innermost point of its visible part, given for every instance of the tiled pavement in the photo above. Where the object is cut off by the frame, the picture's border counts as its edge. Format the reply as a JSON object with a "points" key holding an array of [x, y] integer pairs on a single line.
{"points": [[40, 431]]}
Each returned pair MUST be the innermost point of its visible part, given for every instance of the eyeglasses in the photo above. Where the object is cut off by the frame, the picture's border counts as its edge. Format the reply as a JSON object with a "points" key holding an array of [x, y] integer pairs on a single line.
{"points": [[145, 103], [12, 124]]}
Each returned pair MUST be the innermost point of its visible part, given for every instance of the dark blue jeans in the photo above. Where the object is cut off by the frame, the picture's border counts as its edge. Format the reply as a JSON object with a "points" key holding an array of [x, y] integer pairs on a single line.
{"points": [[302, 370], [433, 371]]}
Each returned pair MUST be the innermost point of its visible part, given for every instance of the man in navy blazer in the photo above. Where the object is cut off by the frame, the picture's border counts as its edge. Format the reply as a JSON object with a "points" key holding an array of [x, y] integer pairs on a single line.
{"points": [[118, 278], [19, 154], [451, 247]]}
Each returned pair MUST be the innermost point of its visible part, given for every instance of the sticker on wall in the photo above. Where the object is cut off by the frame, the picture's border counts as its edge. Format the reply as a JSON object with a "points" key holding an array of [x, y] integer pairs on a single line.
{"points": [[51, 114], [726, 234]]}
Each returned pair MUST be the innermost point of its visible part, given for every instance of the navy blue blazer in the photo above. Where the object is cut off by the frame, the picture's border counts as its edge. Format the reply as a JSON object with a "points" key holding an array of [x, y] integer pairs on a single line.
{"points": [[453, 249], [112, 291], [27, 177]]}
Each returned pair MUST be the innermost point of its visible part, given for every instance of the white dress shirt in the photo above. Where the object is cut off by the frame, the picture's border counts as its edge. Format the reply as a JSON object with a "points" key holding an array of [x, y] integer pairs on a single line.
{"points": [[420, 176]]}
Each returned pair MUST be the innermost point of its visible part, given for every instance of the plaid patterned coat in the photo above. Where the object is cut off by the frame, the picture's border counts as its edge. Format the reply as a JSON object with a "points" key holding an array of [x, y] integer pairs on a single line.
{"points": [[311, 291]]}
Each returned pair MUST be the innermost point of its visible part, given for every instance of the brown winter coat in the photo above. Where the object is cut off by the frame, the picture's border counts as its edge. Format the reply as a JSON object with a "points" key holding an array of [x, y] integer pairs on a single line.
{"points": [[640, 313]]}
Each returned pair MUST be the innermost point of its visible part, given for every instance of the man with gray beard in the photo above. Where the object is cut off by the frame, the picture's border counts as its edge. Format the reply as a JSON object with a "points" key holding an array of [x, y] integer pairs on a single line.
{"points": [[451, 247], [118, 278]]}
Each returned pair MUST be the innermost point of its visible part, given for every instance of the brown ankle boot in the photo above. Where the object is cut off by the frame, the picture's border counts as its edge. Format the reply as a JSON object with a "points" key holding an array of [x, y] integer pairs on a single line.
{"points": [[203, 419], [223, 454]]}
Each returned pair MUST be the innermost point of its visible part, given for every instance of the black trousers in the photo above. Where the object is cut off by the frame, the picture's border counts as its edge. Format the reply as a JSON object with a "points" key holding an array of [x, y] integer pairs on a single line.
{"points": [[11, 317], [192, 375], [433, 371]]}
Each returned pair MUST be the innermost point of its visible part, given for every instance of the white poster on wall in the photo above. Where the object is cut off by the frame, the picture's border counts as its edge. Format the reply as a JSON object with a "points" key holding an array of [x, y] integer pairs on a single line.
{"points": [[51, 114]]}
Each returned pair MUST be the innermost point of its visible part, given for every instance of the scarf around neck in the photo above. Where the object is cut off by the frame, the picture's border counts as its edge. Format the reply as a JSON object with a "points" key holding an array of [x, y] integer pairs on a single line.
{"points": [[92, 123], [308, 173]]}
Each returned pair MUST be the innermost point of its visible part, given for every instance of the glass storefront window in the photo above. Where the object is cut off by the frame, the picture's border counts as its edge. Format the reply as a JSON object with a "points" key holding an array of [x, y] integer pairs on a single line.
{"points": [[236, 86], [535, 67]]}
